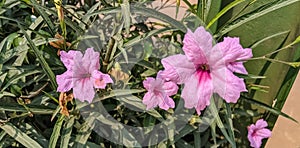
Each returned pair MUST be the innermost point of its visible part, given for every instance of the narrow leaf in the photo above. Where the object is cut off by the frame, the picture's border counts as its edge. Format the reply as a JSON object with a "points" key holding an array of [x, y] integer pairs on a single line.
{"points": [[56, 132], [223, 11], [42, 60], [20, 136], [268, 108], [247, 19]]}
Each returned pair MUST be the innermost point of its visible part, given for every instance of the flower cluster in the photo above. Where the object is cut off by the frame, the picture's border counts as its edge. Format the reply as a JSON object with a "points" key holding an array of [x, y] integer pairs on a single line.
{"points": [[82, 74], [204, 69]]}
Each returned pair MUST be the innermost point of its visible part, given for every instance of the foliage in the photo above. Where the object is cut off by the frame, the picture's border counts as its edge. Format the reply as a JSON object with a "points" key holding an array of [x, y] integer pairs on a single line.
{"points": [[132, 37]]}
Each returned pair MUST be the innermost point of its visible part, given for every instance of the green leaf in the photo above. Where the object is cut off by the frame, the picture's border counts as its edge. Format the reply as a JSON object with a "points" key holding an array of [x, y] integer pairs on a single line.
{"points": [[45, 17], [35, 109], [17, 77], [212, 107], [146, 12], [229, 122], [182, 143], [145, 36], [268, 38], [67, 131], [86, 17], [117, 130], [113, 93], [186, 130], [56, 132], [158, 15], [20, 136], [7, 42], [251, 17], [197, 139], [67, 20], [85, 131], [125, 11], [10, 5], [33, 133], [268, 108], [42, 60], [223, 11], [135, 103]]}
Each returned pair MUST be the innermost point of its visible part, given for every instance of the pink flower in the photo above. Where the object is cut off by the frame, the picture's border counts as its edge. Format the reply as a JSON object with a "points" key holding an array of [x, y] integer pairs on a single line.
{"points": [[258, 132], [206, 69], [82, 74], [159, 93]]}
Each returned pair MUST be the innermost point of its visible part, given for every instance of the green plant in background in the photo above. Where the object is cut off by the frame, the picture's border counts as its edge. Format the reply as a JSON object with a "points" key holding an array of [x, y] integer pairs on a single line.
{"points": [[132, 37]]}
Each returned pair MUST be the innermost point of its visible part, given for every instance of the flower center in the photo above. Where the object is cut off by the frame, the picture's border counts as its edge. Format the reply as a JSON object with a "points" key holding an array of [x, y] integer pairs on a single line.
{"points": [[254, 133], [88, 75], [203, 67], [99, 82], [203, 73]]}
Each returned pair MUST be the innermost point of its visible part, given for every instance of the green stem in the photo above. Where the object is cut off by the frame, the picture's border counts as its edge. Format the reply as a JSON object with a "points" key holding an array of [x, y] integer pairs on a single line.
{"points": [[107, 54]]}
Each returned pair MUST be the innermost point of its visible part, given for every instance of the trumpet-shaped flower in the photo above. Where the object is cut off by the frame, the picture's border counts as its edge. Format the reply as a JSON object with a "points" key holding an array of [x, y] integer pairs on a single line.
{"points": [[206, 69], [82, 74], [159, 92], [257, 132]]}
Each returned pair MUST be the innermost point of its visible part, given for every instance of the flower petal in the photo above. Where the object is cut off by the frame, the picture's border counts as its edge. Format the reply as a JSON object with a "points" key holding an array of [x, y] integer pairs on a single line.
{"points": [[83, 90], [197, 91], [150, 100], [177, 68], [237, 67], [261, 123], [265, 133], [170, 88], [227, 85], [255, 141], [196, 45], [64, 81], [91, 60], [68, 58], [233, 50], [166, 103], [100, 79], [148, 83]]}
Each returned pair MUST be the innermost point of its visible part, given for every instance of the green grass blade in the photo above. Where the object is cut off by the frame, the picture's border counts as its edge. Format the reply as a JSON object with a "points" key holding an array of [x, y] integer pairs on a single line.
{"points": [[56, 132], [158, 15], [126, 15], [269, 37], [197, 139], [45, 17], [113, 93], [85, 131], [33, 133], [247, 19], [144, 12], [17, 77], [212, 107], [10, 5], [20, 136], [145, 36], [66, 132], [228, 114], [183, 144], [223, 11], [42, 60], [268, 108], [35, 109], [186, 130], [135, 103]]}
